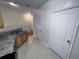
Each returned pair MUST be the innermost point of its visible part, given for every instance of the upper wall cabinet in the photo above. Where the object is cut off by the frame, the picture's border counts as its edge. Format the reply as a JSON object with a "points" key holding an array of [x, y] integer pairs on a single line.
{"points": [[1, 22]]}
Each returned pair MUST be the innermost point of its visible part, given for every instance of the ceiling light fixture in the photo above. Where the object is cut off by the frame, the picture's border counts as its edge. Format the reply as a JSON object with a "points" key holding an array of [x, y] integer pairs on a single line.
{"points": [[13, 4]]}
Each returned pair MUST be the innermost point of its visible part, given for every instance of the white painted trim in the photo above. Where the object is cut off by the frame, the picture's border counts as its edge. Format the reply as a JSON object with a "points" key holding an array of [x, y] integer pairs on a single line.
{"points": [[73, 38]]}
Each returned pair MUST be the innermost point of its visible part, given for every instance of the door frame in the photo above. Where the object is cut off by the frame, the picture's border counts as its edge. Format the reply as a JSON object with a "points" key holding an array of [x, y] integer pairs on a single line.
{"points": [[73, 37], [74, 40]]}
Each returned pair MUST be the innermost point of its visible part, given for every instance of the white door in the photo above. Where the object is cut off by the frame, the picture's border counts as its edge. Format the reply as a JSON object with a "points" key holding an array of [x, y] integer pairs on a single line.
{"points": [[61, 28], [38, 24]]}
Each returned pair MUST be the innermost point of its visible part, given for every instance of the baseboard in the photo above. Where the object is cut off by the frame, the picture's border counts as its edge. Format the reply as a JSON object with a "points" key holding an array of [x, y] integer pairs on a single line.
{"points": [[50, 48]]}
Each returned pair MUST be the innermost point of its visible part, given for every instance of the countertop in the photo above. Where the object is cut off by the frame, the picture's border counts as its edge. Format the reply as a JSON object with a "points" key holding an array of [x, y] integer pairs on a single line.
{"points": [[7, 45]]}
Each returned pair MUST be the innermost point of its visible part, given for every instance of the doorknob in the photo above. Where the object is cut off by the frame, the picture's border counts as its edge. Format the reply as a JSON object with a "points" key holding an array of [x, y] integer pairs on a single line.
{"points": [[68, 41]]}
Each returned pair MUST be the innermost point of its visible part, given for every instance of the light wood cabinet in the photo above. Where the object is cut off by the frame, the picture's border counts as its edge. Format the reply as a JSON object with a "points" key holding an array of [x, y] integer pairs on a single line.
{"points": [[1, 22], [21, 38], [30, 33], [18, 40], [25, 36]]}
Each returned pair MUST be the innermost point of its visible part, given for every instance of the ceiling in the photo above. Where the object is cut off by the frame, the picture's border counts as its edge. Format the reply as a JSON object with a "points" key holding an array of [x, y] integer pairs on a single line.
{"points": [[29, 3]]}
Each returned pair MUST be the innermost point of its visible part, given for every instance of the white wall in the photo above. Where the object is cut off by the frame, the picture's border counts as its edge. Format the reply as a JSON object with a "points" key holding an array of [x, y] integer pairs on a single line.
{"points": [[56, 5], [14, 18]]}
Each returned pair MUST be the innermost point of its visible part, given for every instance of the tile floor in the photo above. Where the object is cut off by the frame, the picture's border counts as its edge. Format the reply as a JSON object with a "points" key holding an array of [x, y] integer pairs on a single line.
{"points": [[34, 49]]}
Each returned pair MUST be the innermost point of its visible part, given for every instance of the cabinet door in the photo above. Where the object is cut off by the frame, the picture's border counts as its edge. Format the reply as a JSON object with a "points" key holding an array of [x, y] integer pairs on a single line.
{"points": [[19, 40], [1, 22], [25, 37]]}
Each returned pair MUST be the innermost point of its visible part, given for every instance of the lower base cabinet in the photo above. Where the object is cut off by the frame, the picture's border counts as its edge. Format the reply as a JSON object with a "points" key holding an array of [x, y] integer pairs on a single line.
{"points": [[21, 38]]}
